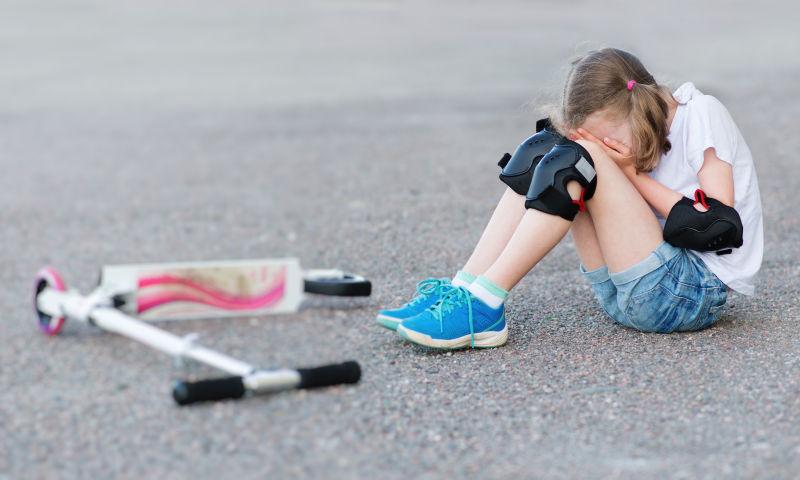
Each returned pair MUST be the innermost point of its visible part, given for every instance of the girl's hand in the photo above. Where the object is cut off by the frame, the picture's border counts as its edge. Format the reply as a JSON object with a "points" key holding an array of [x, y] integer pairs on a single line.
{"points": [[616, 150]]}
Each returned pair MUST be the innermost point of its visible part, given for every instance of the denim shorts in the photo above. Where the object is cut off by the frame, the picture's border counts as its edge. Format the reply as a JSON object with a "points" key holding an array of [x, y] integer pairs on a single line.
{"points": [[671, 290]]}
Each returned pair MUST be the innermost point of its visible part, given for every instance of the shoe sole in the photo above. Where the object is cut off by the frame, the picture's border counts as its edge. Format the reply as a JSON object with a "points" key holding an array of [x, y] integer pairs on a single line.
{"points": [[489, 339], [388, 322]]}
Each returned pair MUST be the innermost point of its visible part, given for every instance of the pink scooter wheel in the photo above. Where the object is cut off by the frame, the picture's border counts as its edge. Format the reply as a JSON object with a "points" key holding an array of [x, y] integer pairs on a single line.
{"points": [[48, 278]]}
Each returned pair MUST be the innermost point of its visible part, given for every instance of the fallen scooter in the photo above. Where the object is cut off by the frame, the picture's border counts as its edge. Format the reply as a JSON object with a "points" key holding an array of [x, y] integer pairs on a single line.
{"points": [[179, 291]]}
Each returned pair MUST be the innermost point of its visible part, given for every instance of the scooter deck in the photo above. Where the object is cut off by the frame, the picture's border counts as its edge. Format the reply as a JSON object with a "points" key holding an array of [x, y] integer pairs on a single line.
{"points": [[213, 289]]}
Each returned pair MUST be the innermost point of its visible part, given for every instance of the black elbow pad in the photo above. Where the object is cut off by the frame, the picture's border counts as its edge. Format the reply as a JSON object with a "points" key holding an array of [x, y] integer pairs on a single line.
{"points": [[717, 230]]}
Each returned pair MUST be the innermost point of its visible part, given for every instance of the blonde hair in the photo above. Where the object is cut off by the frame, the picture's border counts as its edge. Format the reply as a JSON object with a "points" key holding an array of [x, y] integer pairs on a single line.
{"points": [[600, 80]]}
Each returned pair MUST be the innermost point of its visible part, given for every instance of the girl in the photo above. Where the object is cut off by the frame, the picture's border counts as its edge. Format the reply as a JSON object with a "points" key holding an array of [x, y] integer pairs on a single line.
{"points": [[650, 148]]}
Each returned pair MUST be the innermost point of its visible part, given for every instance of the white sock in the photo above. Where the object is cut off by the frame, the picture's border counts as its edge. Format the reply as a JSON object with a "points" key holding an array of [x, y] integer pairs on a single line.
{"points": [[463, 279], [488, 292]]}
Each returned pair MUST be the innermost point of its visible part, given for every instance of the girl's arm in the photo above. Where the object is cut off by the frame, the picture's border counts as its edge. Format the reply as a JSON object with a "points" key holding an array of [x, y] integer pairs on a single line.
{"points": [[715, 176], [656, 194]]}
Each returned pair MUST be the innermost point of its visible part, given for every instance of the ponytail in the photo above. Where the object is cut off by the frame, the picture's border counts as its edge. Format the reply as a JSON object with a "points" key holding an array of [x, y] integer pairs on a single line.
{"points": [[648, 119]]}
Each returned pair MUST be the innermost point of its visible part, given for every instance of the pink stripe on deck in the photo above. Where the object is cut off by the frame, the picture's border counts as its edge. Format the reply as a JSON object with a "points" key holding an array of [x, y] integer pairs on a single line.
{"points": [[205, 295]]}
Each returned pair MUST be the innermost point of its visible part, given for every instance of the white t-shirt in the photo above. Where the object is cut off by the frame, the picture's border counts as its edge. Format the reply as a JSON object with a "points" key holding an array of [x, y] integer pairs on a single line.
{"points": [[702, 122]]}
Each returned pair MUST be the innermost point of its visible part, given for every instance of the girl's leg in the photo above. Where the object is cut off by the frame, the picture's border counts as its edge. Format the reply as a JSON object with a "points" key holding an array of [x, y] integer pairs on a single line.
{"points": [[474, 316], [501, 226], [586, 243], [498, 231], [627, 229], [627, 233], [594, 266]]}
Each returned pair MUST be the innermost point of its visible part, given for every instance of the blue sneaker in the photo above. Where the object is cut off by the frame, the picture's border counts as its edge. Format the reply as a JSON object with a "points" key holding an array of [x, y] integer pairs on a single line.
{"points": [[458, 320], [428, 292]]}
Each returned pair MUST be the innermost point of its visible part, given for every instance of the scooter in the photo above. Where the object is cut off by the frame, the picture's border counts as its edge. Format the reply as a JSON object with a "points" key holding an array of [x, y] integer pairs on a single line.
{"points": [[194, 290]]}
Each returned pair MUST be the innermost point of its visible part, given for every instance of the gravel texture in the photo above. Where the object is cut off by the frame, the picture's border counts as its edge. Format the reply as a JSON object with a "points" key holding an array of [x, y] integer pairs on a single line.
{"points": [[364, 135]]}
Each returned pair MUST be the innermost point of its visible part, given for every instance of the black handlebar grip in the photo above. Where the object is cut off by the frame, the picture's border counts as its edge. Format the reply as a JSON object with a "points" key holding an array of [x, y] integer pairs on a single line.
{"points": [[186, 393], [336, 374]]}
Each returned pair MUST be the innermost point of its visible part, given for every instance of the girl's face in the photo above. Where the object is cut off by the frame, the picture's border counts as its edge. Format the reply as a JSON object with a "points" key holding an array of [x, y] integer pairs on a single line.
{"points": [[602, 124]]}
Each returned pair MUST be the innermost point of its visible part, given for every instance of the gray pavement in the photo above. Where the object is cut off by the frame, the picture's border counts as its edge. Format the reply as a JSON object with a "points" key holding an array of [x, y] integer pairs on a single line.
{"points": [[363, 134]]}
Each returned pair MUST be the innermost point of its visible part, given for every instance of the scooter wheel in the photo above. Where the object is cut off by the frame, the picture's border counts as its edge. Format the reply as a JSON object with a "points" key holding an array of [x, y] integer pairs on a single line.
{"points": [[48, 278], [340, 284]]}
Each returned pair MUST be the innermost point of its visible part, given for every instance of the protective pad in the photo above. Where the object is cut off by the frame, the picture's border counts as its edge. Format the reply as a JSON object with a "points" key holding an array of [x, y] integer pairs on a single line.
{"points": [[518, 168], [719, 229], [567, 161]]}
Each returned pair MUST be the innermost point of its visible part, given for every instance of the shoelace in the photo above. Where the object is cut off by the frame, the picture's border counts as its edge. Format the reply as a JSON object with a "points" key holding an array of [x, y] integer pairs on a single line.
{"points": [[449, 301], [427, 287]]}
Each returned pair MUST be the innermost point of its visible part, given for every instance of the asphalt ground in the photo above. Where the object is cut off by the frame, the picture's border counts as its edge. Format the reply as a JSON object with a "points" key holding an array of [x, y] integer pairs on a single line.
{"points": [[364, 135]]}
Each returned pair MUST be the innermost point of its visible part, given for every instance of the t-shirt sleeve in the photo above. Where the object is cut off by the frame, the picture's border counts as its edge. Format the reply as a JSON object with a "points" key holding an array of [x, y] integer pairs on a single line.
{"points": [[711, 127]]}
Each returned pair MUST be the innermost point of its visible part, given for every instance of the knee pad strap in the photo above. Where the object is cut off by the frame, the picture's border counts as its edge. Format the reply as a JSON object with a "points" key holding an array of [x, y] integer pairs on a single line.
{"points": [[567, 161], [518, 168]]}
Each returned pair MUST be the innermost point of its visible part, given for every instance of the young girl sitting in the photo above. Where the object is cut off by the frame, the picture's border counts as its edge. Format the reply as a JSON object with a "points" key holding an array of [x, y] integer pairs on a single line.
{"points": [[632, 155]]}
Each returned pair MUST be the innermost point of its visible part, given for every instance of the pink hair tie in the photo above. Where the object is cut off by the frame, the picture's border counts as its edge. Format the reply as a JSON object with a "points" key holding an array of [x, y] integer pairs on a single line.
{"points": [[631, 83]]}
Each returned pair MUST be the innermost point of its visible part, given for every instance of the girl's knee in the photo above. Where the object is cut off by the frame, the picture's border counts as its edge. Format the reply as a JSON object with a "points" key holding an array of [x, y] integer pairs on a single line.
{"points": [[606, 168], [599, 156]]}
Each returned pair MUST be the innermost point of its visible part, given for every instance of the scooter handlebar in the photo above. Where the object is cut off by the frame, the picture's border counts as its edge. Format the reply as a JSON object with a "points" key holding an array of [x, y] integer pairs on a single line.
{"points": [[235, 387], [186, 393], [328, 375]]}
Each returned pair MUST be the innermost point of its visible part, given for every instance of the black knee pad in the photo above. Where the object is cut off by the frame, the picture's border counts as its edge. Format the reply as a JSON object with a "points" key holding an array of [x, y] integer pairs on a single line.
{"points": [[518, 168], [567, 161], [719, 229]]}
